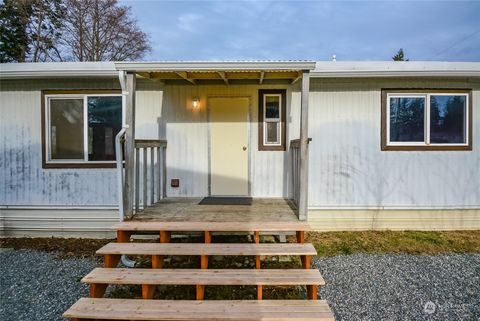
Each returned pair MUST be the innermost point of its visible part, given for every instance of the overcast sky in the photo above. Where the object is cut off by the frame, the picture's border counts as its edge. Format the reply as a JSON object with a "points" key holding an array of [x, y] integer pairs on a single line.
{"points": [[352, 30]]}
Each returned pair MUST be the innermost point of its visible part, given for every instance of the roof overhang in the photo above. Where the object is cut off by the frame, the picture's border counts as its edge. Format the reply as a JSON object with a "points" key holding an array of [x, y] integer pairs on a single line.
{"points": [[57, 70], [373, 69], [198, 66], [193, 71], [241, 70]]}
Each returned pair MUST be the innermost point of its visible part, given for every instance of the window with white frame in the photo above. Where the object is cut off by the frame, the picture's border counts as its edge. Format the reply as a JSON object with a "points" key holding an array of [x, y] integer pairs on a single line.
{"points": [[426, 120], [272, 119], [272, 115], [81, 128]]}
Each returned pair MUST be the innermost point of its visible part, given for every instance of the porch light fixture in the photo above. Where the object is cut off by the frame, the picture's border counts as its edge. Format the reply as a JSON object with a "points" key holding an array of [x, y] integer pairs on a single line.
{"points": [[195, 103]]}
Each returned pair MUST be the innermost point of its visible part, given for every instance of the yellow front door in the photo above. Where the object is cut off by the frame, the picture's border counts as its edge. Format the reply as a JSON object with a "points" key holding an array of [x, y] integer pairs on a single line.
{"points": [[229, 146]]}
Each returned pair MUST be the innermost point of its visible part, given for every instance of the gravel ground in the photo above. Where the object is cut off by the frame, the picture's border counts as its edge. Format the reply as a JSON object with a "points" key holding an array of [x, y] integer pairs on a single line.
{"points": [[402, 287], [38, 286]]}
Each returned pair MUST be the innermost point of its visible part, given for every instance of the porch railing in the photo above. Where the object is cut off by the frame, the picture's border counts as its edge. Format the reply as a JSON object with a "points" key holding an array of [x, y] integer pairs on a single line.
{"points": [[149, 173], [295, 161]]}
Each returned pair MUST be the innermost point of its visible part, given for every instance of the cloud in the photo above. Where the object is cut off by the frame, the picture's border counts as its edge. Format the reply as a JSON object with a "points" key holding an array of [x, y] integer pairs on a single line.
{"points": [[353, 30], [189, 21]]}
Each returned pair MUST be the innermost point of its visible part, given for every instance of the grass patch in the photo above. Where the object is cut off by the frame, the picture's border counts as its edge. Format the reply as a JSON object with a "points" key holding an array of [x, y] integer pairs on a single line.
{"points": [[62, 247], [326, 243], [410, 242]]}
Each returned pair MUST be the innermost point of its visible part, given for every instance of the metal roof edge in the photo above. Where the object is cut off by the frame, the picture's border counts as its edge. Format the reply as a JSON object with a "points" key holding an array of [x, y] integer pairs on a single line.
{"points": [[390, 73], [215, 65], [356, 69], [56, 74], [321, 69], [57, 70]]}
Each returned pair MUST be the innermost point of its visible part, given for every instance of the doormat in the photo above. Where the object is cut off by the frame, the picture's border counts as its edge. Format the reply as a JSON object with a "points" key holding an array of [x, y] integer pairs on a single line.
{"points": [[226, 201]]}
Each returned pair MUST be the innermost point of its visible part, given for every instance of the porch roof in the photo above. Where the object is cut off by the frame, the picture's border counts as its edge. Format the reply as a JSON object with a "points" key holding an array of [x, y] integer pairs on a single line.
{"points": [[193, 71]]}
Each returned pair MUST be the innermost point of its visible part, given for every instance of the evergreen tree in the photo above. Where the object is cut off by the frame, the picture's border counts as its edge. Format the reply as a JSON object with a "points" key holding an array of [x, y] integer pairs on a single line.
{"points": [[29, 30], [14, 42], [400, 56], [455, 119], [435, 118]]}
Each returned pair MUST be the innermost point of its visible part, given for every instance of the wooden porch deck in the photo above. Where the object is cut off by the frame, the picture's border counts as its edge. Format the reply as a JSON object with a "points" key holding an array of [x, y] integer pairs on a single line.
{"points": [[188, 210]]}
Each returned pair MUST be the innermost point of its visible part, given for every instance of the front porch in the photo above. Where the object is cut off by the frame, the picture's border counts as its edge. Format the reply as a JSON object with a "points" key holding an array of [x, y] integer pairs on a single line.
{"points": [[214, 139], [189, 210]]}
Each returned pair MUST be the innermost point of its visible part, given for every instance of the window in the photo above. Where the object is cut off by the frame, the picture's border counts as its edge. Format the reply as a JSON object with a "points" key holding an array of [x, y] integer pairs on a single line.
{"points": [[80, 128], [271, 116], [426, 120]]}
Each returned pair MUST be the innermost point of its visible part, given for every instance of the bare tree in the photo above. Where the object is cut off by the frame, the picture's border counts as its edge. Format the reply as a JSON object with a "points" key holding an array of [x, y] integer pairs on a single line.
{"points": [[102, 30], [44, 28]]}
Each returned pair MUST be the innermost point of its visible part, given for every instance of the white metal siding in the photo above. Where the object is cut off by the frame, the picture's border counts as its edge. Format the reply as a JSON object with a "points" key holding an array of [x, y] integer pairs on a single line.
{"points": [[23, 181], [347, 167], [187, 135], [35, 222], [349, 170]]}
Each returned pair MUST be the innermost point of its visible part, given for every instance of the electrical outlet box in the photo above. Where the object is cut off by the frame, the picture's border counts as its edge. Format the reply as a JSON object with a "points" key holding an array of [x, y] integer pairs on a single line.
{"points": [[175, 182]]}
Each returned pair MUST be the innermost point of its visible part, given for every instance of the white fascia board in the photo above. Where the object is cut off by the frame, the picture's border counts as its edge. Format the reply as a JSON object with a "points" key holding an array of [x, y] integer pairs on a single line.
{"points": [[357, 69], [215, 66], [376, 74], [57, 70]]}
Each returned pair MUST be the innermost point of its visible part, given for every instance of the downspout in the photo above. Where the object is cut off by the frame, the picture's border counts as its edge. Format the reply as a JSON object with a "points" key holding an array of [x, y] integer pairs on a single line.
{"points": [[119, 156], [119, 149]]}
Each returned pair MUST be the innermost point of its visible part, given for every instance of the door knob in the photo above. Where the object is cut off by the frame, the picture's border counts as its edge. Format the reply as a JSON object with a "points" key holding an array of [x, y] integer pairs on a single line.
{"points": [[244, 147]]}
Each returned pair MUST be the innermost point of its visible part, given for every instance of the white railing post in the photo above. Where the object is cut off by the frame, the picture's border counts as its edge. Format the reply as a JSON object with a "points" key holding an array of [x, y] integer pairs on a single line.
{"points": [[152, 175], [145, 178], [303, 189], [137, 179], [160, 175], [164, 172], [129, 82]]}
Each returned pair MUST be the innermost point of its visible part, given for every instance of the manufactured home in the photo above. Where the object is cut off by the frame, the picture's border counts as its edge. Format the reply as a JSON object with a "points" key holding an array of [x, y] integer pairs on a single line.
{"points": [[340, 145]]}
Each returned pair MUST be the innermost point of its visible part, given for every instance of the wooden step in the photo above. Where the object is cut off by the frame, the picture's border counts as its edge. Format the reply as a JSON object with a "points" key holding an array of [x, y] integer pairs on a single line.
{"points": [[227, 249], [139, 310], [100, 278], [205, 277], [136, 226]]}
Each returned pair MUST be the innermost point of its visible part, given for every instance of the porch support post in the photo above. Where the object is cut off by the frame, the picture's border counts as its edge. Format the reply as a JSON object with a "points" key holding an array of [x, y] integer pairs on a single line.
{"points": [[130, 144], [303, 197]]}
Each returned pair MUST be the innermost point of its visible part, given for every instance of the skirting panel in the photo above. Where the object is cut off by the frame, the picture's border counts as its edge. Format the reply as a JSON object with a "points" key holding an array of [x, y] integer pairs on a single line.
{"points": [[426, 220], [88, 223]]}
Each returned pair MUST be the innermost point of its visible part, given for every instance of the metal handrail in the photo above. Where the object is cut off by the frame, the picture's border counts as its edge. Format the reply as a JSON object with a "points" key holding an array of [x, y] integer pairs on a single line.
{"points": [[295, 162]]}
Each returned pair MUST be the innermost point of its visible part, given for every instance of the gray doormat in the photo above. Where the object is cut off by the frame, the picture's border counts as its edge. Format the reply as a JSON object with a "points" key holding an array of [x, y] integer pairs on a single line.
{"points": [[226, 201]]}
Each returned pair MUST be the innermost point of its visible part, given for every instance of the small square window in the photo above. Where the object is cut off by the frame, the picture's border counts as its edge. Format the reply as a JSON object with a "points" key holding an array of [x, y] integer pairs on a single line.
{"points": [[271, 117], [272, 107], [272, 133]]}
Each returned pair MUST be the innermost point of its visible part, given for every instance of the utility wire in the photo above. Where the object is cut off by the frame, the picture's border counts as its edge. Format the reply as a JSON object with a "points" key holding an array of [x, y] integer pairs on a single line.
{"points": [[456, 43]]}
